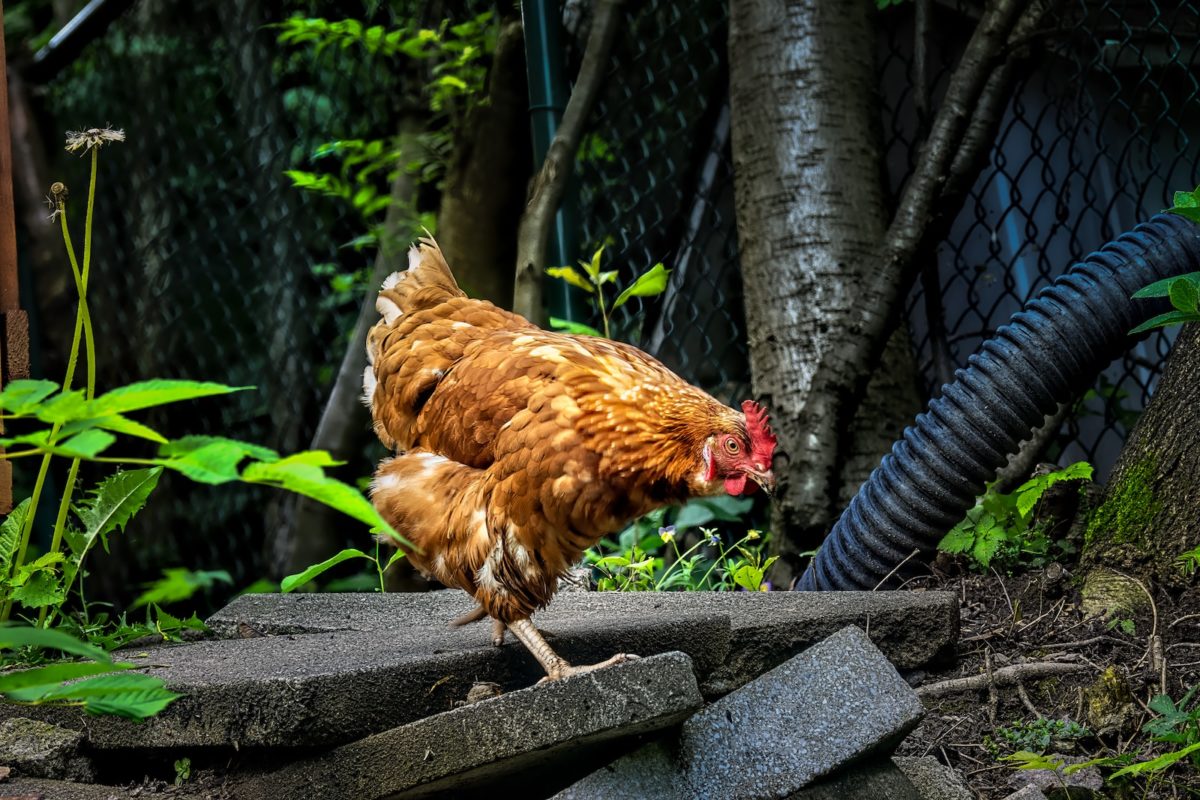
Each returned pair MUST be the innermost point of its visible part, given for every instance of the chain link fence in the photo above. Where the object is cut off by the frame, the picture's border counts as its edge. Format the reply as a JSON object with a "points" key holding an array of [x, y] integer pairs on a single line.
{"points": [[212, 266]]}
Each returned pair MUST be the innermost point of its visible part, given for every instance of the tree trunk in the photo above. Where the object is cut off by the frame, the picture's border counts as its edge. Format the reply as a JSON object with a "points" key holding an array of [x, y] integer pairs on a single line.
{"points": [[486, 178], [1148, 511], [811, 221]]}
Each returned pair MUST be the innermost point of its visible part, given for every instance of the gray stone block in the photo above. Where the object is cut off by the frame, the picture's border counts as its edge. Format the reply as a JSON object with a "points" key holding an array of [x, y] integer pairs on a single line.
{"points": [[837, 702], [1027, 793], [913, 629], [332, 687], [648, 772], [483, 741], [40, 750], [933, 779]]}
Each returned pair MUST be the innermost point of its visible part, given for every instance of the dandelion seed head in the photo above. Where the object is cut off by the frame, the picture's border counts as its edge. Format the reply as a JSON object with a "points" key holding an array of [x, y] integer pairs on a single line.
{"points": [[93, 137]]}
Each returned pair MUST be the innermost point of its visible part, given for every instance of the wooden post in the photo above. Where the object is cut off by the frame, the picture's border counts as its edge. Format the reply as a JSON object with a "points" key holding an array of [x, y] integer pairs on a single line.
{"points": [[14, 325]]}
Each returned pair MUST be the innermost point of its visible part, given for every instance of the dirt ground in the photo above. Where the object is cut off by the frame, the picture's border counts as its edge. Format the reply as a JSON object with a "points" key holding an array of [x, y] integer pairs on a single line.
{"points": [[1102, 676]]}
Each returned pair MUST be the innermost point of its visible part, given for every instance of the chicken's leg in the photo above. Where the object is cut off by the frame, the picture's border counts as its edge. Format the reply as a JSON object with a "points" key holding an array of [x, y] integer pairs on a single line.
{"points": [[475, 615], [555, 665]]}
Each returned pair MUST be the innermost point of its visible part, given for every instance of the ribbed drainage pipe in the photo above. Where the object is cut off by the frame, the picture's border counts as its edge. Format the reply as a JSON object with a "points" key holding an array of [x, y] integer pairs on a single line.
{"points": [[1048, 354]]}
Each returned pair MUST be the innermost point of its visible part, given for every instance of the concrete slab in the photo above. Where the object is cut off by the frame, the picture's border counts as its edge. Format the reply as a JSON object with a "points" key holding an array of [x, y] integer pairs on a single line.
{"points": [[874, 780], [649, 771], [329, 688], [44, 789], [40, 750], [837, 702], [913, 629], [478, 743], [933, 779], [1027, 793]]}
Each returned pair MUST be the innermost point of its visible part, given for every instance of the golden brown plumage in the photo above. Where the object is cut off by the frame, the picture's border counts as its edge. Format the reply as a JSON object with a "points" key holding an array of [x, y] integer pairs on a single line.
{"points": [[518, 448]]}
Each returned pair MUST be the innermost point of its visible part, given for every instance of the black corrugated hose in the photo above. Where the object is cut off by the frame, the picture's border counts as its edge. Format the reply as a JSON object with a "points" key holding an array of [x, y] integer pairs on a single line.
{"points": [[1048, 354]]}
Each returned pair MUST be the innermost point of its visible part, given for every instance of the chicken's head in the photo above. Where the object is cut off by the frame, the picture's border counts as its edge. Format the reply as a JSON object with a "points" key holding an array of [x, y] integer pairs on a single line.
{"points": [[742, 458]]}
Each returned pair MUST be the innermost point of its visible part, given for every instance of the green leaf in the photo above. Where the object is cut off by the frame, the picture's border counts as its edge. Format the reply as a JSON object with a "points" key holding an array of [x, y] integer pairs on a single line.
{"points": [[609, 276], [63, 407], [41, 589], [211, 459], [117, 424], [22, 396], [571, 276], [299, 474], [1191, 213], [749, 577], [1169, 318], [1032, 490], [14, 636], [114, 502], [53, 673], [593, 267], [648, 284], [959, 540], [88, 444], [178, 584], [292, 581], [1163, 288], [156, 393], [128, 694], [577, 328], [1184, 294], [10, 534], [1156, 764], [396, 556], [1187, 199]]}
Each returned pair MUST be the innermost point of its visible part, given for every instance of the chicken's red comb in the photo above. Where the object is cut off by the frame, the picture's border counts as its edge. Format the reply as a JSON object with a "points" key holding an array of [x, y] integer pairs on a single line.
{"points": [[762, 440]]}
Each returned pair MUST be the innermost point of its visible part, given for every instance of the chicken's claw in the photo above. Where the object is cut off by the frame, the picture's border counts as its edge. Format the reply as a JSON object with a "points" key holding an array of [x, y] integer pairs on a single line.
{"points": [[565, 670]]}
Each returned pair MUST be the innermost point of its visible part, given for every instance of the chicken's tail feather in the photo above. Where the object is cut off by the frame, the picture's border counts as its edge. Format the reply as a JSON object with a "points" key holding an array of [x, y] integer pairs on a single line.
{"points": [[427, 282]]}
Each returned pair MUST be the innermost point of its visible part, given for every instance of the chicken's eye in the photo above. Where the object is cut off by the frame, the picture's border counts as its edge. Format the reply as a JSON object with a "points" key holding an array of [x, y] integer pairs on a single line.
{"points": [[731, 446]]}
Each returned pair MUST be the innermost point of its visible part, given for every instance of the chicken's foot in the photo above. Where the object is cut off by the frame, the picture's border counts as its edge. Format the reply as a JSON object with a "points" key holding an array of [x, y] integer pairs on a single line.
{"points": [[555, 665], [475, 615]]}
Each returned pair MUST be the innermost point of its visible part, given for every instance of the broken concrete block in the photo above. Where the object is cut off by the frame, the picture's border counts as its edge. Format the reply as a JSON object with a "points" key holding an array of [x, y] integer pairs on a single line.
{"points": [[37, 749], [1081, 784], [873, 780], [45, 789], [913, 629], [478, 743], [933, 779], [328, 688], [837, 702]]}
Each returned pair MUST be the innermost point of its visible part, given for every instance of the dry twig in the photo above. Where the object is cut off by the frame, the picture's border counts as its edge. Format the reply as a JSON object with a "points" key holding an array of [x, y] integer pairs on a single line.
{"points": [[1005, 676]]}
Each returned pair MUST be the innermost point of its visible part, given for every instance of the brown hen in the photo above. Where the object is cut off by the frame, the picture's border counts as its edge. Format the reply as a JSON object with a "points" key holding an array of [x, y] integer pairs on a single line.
{"points": [[518, 448]]}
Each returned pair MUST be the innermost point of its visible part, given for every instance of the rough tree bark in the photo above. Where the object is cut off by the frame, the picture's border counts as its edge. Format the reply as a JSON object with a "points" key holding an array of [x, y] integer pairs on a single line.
{"points": [[1149, 509], [825, 272], [486, 178]]}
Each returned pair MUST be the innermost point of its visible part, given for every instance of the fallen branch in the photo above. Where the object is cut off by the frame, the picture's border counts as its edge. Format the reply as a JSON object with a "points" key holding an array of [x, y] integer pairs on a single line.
{"points": [[551, 181], [1005, 676]]}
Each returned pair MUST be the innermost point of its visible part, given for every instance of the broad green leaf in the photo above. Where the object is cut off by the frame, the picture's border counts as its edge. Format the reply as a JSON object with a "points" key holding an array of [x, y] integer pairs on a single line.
{"points": [[1163, 288], [609, 276], [22, 396], [10, 534], [88, 444], [14, 636], [1169, 318], [156, 393], [40, 590], [53, 673], [178, 584], [396, 556], [1184, 294], [577, 328], [211, 459], [63, 407], [292, 581], [571, 276], [648, 284], [114, 502], [1187, 199], [1156, 764], [301, 477], [129, 694], [1191, 213]]}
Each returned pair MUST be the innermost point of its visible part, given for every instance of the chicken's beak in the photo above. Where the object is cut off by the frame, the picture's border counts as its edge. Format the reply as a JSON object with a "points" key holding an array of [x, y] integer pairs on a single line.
{"points": [[764, 479]]}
